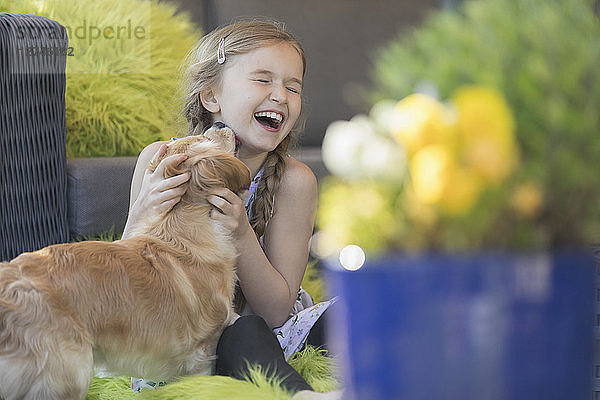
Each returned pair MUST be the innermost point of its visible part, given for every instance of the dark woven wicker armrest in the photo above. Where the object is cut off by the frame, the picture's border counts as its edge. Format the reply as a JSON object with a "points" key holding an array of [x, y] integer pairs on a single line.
{"points": [[32, 133]]}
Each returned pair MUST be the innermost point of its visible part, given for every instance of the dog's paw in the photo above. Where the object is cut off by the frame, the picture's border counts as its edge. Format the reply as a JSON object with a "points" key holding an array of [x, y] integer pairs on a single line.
{"points": [[223, 135]]}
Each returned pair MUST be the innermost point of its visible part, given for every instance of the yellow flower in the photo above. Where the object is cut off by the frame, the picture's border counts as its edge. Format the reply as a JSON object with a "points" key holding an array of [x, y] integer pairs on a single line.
{"points": [[413, 166], [427, 168], [487, 129], [420, 120], [461, 191], [527, 199], [439, 180]]}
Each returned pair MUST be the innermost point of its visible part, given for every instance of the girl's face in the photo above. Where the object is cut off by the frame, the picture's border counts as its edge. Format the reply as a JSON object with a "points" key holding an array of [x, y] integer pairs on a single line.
{"points": [[260, 96]]}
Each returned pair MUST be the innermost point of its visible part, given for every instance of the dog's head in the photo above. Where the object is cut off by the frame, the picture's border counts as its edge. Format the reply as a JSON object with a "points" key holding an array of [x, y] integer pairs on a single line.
{"points": [[211, 162]]}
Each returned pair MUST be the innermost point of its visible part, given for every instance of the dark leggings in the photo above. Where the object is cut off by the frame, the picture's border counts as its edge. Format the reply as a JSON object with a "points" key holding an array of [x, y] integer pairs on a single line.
{"points": [[250, 340]]}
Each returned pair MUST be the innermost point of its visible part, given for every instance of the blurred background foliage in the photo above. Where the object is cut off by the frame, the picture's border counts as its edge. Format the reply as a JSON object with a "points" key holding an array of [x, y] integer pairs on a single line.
{"points": [[122, 84], [541, 58]]}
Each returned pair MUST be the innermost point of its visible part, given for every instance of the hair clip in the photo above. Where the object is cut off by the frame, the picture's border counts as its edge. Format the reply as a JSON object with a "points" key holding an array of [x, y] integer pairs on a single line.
{"points": [[221, 52]]}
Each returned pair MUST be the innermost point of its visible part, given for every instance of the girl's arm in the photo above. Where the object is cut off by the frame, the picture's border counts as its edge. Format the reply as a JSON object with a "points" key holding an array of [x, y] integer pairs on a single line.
{"points": [[270, 279], [151, 195]]}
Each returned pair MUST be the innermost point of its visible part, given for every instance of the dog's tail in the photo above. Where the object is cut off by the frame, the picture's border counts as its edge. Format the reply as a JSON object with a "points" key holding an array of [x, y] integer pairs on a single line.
{"points": [[32, 341]]}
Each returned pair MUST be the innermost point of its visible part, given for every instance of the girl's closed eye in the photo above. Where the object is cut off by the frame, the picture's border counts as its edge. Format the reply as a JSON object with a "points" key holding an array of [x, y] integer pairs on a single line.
{"points": [[261, 77]]}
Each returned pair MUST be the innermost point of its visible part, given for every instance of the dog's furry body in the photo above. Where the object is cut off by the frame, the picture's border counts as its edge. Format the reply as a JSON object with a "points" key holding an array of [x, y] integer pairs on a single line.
{"points": [[152, 306]]}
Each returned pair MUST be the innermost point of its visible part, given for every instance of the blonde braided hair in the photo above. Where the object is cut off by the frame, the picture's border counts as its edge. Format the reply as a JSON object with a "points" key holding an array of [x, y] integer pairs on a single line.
{"points": [[264, 202], [203, 72]]}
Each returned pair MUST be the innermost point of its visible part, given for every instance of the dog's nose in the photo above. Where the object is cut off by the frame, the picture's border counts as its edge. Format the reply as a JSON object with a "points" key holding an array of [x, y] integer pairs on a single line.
{"points": [[219, 125]]}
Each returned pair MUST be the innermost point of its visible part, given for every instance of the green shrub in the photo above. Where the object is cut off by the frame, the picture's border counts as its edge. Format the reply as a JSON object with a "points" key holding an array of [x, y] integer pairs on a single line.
{"points": [[544, 56], [121, 91]]}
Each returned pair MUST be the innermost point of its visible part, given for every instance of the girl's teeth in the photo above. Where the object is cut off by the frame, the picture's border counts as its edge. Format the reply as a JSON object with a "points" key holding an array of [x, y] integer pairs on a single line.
{"points": [[272, 115]]}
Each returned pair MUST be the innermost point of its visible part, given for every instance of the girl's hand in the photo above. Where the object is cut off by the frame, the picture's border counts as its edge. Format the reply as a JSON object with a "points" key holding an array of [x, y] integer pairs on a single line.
{"points": [[158, 194], [229, 210]]}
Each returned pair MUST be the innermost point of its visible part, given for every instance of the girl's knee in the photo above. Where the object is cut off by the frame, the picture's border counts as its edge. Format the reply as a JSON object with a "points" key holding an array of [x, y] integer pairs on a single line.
{"points": [[248, 330], [251, 323]]}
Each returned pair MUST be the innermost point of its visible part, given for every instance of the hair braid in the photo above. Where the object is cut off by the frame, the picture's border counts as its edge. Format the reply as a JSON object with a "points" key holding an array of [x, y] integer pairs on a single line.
{"points": [[264, 202]]}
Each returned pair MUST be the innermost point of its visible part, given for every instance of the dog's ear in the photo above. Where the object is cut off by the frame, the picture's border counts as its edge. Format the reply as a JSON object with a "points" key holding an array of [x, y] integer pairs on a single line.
{"points": [[222, 135], [221, 170], [180, 146]]}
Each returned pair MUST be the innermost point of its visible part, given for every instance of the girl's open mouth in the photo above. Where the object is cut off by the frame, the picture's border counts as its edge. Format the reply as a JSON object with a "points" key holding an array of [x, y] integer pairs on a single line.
{"points": [[270, 120]]}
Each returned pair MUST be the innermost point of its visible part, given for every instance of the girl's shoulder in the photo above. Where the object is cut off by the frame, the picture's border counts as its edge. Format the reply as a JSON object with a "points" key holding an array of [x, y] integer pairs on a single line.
{"points": [[153, 147], [149, 151], [298, 179]]}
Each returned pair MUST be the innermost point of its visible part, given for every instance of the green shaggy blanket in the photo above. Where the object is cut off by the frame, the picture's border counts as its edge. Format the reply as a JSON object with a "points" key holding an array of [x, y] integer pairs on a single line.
{"points": [[311, 363]]}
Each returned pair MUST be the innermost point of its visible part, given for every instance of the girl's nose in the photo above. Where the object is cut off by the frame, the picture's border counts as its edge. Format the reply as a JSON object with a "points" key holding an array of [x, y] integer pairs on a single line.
{"points": [[278, 94]]}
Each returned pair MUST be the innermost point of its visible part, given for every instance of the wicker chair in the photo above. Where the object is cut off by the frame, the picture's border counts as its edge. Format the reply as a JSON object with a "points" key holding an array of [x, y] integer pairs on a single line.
{"points": [[32, 134]]}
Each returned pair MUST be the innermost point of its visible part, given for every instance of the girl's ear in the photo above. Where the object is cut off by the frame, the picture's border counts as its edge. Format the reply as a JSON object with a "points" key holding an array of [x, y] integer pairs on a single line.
{"points": [[209, 101]]}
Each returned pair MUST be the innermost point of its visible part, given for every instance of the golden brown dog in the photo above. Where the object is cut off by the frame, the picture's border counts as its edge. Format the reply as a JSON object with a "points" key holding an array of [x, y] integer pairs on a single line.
{"points": [[151, 306]]}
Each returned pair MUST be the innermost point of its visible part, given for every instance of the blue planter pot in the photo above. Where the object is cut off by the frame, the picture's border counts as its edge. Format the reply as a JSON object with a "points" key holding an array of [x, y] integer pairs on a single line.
{"points": [[484, 326]]}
